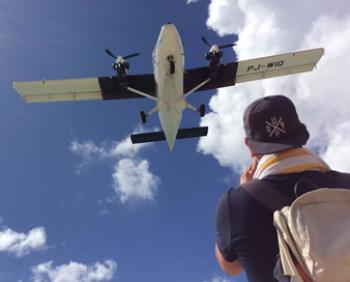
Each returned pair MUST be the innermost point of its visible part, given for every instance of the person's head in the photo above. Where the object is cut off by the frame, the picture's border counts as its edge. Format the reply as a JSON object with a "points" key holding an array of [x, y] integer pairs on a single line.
{"points": [[272, 125]]}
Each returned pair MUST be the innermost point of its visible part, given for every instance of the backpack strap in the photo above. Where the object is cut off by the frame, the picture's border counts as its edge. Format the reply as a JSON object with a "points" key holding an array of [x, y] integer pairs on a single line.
{"points": [[303, 186], [342, 179], [264, 193]]}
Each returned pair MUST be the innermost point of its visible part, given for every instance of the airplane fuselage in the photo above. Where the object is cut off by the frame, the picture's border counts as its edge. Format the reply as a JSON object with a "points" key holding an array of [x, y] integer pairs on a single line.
{"points": [[168, 63]]}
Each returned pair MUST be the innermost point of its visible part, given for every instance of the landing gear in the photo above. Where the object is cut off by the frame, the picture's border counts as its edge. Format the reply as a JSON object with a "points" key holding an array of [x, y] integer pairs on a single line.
{"points": [[143, 117], [201, 110]]}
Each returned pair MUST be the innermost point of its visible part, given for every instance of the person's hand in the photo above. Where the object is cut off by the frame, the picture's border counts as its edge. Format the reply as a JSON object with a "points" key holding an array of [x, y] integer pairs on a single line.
{"points": [[248, 173]]}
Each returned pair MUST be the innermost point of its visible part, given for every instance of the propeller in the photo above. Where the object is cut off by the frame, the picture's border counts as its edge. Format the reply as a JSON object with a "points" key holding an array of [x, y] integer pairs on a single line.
{"points": [[214, 46], [121, 66], [110, 53], [120, 59], [131, 56], [214, 55], [205, 41]]}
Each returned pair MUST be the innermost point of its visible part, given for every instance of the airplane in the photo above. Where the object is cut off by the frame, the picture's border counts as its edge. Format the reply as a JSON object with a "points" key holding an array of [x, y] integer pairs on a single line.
{"points": [[170, 84]]}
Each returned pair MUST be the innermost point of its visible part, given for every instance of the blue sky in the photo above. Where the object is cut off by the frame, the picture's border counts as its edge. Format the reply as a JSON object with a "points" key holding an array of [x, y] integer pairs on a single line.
{"points": [[46, 183], [76, 197]]}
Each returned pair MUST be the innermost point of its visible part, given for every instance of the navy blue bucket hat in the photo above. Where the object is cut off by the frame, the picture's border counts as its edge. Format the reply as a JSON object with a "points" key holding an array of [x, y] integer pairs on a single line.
{"points": [[272, 124]]}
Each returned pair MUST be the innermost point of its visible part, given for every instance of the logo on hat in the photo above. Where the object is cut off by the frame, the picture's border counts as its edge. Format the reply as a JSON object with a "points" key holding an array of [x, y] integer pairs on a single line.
{"points": [[275, 127]]}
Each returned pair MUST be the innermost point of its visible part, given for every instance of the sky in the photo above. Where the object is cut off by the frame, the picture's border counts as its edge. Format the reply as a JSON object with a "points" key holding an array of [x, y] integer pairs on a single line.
{"points": [[78, 202]]}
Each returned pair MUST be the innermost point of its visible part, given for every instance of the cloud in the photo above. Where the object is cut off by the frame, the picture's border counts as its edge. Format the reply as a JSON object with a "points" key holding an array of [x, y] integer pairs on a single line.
{"points": [[223, 279], [268, 27], [20, 244], [125, 148], [225, 135], [225, 17], [133, 180], [192, 1], [220, 279], [339, 147], [74, 272], [89, 152]]}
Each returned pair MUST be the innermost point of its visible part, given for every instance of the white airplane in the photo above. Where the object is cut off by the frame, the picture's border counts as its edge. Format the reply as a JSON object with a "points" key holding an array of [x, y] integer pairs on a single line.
{"points": [[170, 84]]}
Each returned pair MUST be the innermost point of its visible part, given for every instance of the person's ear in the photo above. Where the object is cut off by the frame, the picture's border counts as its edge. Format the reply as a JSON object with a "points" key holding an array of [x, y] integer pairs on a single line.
{"points": [[251, 152], [246, 143]]}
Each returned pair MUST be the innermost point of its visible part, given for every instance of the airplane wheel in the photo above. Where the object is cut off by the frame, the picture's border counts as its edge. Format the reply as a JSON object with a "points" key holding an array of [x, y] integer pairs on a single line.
{"points": [[143, 116], [202, 110]]}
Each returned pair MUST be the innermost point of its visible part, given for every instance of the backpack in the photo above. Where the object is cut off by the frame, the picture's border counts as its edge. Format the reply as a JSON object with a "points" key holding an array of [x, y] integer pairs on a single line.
{"points": [[313, 232]]}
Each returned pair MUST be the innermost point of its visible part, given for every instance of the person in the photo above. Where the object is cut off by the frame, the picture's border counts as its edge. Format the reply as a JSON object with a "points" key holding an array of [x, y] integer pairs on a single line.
{"points": [[246, 239]]}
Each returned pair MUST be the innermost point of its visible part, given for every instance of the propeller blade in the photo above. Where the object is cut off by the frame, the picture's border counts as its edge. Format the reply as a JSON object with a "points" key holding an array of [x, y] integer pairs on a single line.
{"points": [[110, 53], [205, 41], [131, 56], [226, 46]]}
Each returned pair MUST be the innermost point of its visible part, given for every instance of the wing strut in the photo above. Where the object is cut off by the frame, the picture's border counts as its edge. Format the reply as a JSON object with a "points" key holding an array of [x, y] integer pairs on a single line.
{"points": [[197, 87], [141, 93]]}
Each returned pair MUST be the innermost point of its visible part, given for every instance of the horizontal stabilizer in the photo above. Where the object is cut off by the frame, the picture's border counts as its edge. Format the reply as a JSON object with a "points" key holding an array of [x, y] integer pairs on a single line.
{"points": [[160, 136]]}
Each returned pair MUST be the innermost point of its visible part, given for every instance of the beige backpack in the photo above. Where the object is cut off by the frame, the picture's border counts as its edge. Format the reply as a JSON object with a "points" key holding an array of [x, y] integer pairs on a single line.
{"points": [[314, 236]]}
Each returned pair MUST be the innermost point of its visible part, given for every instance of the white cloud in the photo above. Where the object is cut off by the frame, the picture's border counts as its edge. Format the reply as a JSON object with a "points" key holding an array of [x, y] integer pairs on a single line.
{"points": [[225, 17], [132, 180], [192, 1], [223, 279], [92, 153], [125, 148], [220, 279], [74, 272], [338, 148], [225, 135], [267, 27], [20, 244], [89, 152]]}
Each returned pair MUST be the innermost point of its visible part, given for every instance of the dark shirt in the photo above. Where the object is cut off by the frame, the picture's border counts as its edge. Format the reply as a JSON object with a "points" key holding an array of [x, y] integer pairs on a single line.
{"points": [[244, 226]]}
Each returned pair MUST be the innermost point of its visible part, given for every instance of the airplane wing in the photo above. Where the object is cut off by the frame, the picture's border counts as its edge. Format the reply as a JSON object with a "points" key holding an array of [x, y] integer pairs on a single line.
{"points": [[99, 88], [254, 69], [105, 88]]}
